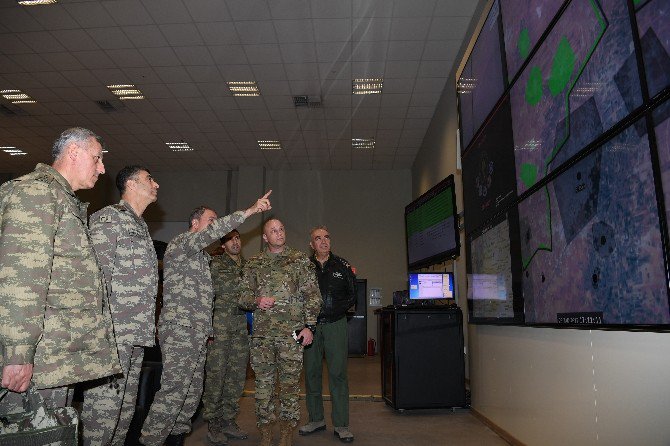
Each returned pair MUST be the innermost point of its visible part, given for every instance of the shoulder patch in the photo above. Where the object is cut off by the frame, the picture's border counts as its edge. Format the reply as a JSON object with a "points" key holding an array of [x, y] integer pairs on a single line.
{"points": [[105, 219]]}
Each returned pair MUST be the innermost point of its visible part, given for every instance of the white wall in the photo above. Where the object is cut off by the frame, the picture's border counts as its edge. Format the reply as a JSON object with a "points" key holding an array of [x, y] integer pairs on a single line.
{"points": [[555, 386]]}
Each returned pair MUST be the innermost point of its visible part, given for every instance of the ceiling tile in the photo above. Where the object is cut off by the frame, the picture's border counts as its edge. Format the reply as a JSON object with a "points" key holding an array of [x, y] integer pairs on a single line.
{"points": [[441, 50], [332, 30], [160, 57], [401, 69], [413, 8], [194, 55], [372, 8], [127, 12], [448, 28], [89, 15], [294, 31], [167, 11], [33, 62], [41, 41], [297, 52], [262, 54], [430, 85], [369, 69], [145, 36], [75, 39], [289, 9], [228, 54], [398, 85], [269, 88], [126, 58], [171, 75], [94, 59], [218, 33], [256, 32], [270, 72], [109, 38], [236, 72], [248, 9], [207, 10], [410, 28], [454, 8], [181, 34], [331, 9], [405, 50], [207, 73], [435, 68], [51, 18], [184, 90], [369, 51], [302, 71], [18, 19], [371, 29], [420, 112]]}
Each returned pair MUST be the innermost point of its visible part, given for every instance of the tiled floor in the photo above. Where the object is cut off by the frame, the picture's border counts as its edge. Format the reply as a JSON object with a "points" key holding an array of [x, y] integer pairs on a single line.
{"points": [[371, 420]]}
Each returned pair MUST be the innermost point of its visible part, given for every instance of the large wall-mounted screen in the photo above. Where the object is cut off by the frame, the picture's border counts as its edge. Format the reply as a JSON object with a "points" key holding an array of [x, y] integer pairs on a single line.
{"points": [[431, 225], [579, 236]]}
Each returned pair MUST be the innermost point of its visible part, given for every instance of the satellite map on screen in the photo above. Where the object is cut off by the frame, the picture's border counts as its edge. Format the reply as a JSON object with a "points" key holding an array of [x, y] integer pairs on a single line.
{"points": [[582, 80], [597, 256], [524, 21], [653, 24]]}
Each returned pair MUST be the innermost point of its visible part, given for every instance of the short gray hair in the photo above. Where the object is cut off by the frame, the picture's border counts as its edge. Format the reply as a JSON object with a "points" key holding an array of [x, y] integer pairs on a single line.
{"points": [[74, 134], [316, 228], [197, 213]]}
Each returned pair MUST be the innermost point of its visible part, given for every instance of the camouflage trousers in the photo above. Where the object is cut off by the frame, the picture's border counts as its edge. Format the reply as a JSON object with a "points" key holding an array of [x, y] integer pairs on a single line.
{"points": [[53, 398], [225, 373], [109, 407], [276, 361], [184, 351]]}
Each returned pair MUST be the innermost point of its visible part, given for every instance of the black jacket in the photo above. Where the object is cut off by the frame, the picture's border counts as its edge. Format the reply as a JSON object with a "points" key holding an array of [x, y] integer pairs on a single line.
{"points": [[337, 284]]}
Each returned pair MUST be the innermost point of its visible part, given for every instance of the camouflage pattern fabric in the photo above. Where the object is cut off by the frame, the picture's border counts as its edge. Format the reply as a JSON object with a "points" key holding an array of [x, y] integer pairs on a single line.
{"points": [[56, 397], [187, 290], [184, 326], [40, 425], [276, 360], [184, 353], [126, 252], [109, 407], [53, 308], [289, 277], [128, 259], [228, 353]]}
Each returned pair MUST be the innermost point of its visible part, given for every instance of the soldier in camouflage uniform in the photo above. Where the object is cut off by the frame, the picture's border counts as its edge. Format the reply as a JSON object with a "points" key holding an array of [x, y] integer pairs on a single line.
{"points": [[279, 285], [55, 327], [185, 322], [228, 352], [126, 252]]}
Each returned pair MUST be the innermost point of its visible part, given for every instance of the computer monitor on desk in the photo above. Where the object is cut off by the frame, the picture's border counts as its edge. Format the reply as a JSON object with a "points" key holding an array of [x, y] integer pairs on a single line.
{"points": [[426, 288]]}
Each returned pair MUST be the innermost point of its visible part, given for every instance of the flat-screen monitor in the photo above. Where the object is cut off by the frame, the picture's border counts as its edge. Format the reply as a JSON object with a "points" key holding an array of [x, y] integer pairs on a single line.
{"points": [[431, 226], [429, 286]]}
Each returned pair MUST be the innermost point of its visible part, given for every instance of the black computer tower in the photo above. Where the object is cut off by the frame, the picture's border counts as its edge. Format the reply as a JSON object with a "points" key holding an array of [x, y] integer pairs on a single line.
{"points": [[422, 358]]}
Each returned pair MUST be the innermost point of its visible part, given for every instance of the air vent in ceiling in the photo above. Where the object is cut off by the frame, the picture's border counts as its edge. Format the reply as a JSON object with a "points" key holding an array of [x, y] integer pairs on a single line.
{"points": [[307, 101], [106, 105]]}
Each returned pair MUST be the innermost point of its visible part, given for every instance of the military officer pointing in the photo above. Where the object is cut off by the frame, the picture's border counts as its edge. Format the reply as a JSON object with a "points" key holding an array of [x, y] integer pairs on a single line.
{"points": [[126, 252], [186, 322], [55, 327]]}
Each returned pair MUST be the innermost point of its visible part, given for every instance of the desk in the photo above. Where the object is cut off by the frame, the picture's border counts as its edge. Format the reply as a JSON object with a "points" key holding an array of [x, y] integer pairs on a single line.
{"points": [[422, 357]]}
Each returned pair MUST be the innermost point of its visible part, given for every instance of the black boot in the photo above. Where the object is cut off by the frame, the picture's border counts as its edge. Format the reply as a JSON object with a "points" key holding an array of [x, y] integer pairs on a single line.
{"points": [[175, 440]]}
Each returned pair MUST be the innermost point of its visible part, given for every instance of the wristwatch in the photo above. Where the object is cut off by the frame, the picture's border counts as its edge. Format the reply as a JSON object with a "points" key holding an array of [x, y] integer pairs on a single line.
{"points": [[312, 328]]}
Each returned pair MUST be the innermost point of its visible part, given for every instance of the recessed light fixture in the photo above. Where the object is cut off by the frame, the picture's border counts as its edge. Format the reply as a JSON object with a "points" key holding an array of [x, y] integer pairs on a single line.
{"points": [[244, 88], [126, 91], [17, 97], [363, 143], [36, 2], [269, 145], [367, 86], [12, 150], [179, 146]]}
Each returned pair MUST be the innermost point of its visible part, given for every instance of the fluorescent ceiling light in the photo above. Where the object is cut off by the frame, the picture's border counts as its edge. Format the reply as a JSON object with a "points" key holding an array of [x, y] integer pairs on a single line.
{"points": [[363, 143], [36, 2], [126, 91], [269, 145], [11, 150], [17, 97], [244, 88], [179, 146], [367, 86]]}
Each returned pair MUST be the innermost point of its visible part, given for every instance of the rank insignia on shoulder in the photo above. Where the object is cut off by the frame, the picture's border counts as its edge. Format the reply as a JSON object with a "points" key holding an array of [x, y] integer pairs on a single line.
{"points": [[105, 219]]}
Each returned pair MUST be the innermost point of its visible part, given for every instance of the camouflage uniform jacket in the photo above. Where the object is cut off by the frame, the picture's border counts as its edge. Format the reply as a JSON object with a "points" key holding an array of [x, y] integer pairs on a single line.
{"points": [[290, 278], [53, 310], [226, 273], [187, 289], [128, 259]]}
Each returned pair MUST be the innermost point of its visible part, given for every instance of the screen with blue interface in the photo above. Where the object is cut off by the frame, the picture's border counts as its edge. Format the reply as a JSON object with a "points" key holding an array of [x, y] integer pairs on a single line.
{"points": [[431, 286]]}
